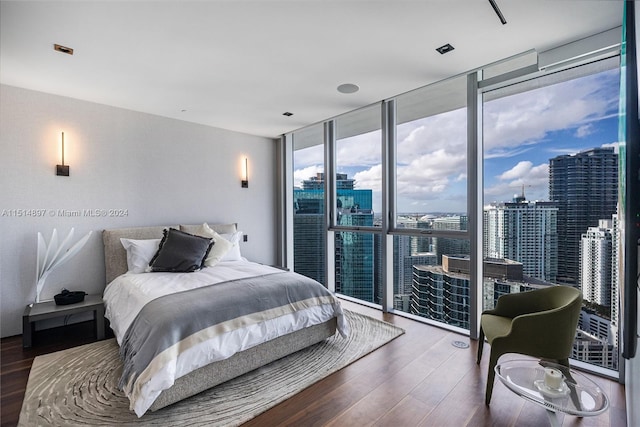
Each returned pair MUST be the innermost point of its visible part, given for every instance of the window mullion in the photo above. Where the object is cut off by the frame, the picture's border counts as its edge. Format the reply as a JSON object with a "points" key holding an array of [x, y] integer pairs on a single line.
{"points": [[388, 141], [475, 185]]}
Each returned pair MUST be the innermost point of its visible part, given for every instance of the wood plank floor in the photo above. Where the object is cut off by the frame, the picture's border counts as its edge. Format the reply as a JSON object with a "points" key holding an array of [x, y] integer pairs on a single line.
{"points": [[419, 379]]}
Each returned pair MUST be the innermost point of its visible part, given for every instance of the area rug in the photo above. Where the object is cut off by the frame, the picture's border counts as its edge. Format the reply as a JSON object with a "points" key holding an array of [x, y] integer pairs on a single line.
{"points": [[78, 386]]}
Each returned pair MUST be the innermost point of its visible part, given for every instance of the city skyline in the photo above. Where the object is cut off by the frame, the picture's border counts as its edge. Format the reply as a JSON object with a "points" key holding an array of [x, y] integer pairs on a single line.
{"points": [[522, 132]]}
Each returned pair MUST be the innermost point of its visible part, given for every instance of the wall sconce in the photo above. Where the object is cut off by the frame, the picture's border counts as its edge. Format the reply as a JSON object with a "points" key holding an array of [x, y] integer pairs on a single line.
{"points": [[244, 183], [62, 170]]}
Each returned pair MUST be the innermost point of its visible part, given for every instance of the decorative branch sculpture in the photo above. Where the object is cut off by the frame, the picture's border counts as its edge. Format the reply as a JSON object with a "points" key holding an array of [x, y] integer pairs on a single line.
{"points": [[53, 255]]}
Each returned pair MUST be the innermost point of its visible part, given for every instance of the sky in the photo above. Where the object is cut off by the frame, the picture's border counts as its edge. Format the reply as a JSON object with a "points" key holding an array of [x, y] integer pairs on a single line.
{"points": [[521, 133]]}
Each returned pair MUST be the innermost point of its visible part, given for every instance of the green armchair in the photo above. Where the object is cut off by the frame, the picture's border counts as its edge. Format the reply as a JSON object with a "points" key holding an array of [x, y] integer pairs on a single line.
{"points": [[539, 323]]}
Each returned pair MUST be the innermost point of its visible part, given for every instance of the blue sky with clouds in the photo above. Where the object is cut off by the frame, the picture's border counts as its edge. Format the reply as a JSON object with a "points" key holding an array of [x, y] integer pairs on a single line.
{"points": [[521, 133]]}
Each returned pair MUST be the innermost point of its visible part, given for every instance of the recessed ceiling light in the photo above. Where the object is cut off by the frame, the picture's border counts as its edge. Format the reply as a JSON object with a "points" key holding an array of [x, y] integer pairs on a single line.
{"points": [[445, 49], [288, 114], [63, 49], [348, 88]]}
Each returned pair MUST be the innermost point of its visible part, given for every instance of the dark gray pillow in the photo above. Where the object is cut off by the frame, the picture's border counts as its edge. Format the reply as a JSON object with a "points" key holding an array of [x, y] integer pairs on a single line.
{"points": [[180, 252]]}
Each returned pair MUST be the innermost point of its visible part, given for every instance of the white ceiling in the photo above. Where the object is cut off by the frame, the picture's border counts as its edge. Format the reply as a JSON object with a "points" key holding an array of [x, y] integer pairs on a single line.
{"points": [[240, 64]]}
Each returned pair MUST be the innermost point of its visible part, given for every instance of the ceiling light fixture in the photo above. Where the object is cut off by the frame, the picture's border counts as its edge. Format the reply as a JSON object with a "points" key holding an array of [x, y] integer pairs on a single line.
{"points": [[496, 9], [348, 88], [445, 49], [288, 114], [63, 49]]}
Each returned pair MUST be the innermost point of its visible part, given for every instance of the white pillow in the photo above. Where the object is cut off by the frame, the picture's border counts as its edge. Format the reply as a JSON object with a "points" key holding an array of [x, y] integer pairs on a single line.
{"points": [[220, 248], [234, 252], [139, 253]]}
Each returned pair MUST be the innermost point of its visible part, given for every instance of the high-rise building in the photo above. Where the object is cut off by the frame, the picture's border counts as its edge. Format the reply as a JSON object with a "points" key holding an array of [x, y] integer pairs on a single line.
{"points": [[440, 295], [597, 338], [317, 182], [354, 252], [596, 255], [405, 257], [447, 245], [525, 232], [442, 292], [309, 234], [585, 188], [615, 273]]}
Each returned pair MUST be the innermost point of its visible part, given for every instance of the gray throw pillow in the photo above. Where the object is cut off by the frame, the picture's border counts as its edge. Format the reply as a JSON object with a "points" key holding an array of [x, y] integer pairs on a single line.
{"points": [[180, 252]]}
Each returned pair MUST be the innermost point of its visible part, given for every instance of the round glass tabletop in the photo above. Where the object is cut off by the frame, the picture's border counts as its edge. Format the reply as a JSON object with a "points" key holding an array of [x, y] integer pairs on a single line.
{"points": [[553, 386]]}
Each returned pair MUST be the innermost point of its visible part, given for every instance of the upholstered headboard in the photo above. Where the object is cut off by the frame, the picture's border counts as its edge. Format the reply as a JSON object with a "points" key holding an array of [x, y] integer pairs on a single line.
{"points": [[115, 256]]}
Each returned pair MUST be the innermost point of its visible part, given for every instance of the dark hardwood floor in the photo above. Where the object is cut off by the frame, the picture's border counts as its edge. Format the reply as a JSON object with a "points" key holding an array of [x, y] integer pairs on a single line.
{"points": [[418, 379]]}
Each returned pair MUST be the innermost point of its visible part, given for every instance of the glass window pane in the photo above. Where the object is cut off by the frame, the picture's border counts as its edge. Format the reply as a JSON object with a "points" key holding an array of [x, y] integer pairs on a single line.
{"points": [[551, 183], [431, 151], [359, 168], [357, 265], [309, 231], [431, 193], [430, 281]]}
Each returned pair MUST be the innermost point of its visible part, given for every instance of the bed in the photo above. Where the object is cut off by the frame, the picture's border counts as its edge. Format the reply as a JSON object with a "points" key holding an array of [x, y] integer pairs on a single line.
{"points": [[164, 363]]}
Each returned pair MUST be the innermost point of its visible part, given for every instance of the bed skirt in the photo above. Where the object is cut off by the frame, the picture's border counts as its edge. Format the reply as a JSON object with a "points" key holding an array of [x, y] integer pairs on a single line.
{"points": [[245, 361]]}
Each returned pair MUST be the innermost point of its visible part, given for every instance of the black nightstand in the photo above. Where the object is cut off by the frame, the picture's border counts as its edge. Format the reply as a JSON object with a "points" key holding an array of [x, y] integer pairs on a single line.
{"points": [[49, 310]]}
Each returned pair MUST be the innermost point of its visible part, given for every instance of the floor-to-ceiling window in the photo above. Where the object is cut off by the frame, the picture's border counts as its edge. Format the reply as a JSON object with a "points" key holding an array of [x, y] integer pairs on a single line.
{"points": [[430, 247], [388, 219], [357, 195], [550, 191]]}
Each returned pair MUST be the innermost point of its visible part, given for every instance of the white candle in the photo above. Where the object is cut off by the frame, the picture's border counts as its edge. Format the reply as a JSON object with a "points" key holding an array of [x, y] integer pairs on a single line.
{"points": [[553, 378]]}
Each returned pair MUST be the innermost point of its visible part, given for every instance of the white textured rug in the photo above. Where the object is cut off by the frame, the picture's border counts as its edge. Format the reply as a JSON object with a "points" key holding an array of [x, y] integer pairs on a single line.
{"points": [[78, 386]]}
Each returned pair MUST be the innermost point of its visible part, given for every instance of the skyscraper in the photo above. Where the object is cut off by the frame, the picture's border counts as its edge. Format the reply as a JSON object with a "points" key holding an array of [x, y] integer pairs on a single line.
{"points": [[525, 232], [309, 234], [585, 188], [354, 252], [441, 292], [596, 255], [447, 245]]}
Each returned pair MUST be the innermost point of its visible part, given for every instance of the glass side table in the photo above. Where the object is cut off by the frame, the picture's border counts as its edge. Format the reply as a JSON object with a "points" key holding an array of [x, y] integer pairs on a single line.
{"points": [[570, 391]]}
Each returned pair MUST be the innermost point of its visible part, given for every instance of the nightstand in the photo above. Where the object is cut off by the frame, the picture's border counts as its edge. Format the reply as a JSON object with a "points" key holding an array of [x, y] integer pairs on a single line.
{"points": [[49, 310]]}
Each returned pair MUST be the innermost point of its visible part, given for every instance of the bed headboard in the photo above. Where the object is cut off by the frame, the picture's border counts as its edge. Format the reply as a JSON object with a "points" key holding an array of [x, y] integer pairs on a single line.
{"points": [[115, 256]]}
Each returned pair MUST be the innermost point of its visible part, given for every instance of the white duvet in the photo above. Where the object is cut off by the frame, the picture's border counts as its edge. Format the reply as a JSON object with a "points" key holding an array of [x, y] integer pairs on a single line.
{"points": [[127, 294]]}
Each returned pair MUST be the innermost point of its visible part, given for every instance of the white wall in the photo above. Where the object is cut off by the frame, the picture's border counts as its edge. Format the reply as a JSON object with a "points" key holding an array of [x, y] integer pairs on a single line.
{"points": [[161, 171]]}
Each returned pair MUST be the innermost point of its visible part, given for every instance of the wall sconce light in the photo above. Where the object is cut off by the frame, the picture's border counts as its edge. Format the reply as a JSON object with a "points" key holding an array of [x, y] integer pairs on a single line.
{"points": [[62, 170], [245, 174]]}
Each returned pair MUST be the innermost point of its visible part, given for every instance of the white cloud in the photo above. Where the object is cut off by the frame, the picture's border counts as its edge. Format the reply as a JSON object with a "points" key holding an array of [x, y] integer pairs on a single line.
{"points": [[446, 131], [359, 150], [429, 174], [533, 180], [369, 178], [309, 156], [515, 121], [517, 171], [584, 130]]}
